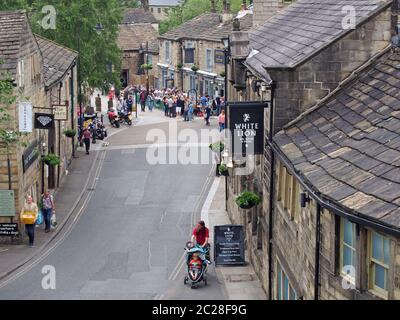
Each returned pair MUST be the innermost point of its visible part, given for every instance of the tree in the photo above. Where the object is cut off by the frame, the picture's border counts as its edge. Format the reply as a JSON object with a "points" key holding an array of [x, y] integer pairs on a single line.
{"points": [[13, 4]]}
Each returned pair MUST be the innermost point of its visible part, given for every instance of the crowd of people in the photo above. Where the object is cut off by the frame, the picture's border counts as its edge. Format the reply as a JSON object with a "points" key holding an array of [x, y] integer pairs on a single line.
{"points": [[174, 102]]}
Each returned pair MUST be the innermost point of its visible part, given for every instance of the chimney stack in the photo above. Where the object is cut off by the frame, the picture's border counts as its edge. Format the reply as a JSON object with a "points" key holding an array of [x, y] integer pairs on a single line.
{"points": [[226, 13], [145, 4]]}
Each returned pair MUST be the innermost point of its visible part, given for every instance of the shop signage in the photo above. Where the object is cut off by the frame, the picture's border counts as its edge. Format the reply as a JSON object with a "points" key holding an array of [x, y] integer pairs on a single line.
{"points": [[44, 121], [60, 112], [246, 122], [29, 156], [229, 245], [219, 56], [25, 113], [7, 203], [8, 229]]}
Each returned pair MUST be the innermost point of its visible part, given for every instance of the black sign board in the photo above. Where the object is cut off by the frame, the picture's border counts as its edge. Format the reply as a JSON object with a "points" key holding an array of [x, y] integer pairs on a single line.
{"points": [[246, 122], [44, 121], [30, 155], [8, 229], [229, 245]]}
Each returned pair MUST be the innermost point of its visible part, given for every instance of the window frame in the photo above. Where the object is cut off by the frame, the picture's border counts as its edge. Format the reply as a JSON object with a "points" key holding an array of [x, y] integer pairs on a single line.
{"points": [[281, 275], [209, 60], [186, 55], [21, 73], [344, 275], [168, 51], [371, 262]]}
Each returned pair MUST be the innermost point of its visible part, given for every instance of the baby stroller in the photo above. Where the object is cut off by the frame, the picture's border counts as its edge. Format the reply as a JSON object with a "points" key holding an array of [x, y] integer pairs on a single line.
{"points": [[195, 276]]}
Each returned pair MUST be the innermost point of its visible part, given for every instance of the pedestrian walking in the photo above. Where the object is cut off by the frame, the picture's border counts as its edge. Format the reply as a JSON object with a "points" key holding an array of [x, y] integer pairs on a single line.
{"points": [[190, 111], [98, 103], [221, 120], [218, 102], [143, 96], [86, 139], [166, 108], [207, 115], [200, 235], [48, 209], [28, 216]]}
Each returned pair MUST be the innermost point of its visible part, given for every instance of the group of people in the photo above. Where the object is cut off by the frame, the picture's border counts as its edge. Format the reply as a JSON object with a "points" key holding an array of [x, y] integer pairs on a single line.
{"points": [[29, 215]]}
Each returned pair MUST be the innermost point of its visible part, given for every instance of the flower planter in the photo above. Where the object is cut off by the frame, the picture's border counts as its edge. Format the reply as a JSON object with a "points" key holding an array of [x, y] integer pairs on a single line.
{"points": [[247, 200], [246, 207]]}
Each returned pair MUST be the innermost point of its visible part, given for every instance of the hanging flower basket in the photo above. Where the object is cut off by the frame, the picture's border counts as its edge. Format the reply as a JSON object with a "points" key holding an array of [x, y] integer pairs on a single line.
{"points": [[179, 66], [51, 159], [146, 66], [195, 68], [217, 146], [223, 170], [222, 74], [70, 133], [247, 200]]}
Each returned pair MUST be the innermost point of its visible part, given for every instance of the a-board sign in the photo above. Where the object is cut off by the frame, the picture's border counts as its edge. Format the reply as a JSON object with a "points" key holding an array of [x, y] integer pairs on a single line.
{"points": [[229, 245], [8, 229]]}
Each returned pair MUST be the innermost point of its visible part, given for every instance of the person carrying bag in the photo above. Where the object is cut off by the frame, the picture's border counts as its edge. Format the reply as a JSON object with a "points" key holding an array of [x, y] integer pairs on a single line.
{"points": [[28, 217]]}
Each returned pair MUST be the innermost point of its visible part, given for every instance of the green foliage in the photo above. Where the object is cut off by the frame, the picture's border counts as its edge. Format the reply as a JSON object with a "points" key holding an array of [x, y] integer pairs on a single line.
{"points": [[191, 9], [129, 3], [13, 4], [70, 133], [146, 66], [51, 159], [223, 169], [195, 68], [247, 199], [217, 146]]}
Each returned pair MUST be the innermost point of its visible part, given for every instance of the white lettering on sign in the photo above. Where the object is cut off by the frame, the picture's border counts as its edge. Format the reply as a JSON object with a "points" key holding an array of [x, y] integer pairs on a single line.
{"points": [[25, 112]]}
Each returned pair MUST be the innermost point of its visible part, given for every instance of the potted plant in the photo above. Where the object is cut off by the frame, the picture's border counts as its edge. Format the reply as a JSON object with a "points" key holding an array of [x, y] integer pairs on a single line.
{"points": [[146, 66], [70, 133], [222, 74], [217, 146], [247, 200], [179, 65], [195, 68], [51, 159], [223, 170]]}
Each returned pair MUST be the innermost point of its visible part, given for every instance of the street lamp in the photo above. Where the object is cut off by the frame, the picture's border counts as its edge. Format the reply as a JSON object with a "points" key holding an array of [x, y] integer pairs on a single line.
{"points": [[43, 151]]}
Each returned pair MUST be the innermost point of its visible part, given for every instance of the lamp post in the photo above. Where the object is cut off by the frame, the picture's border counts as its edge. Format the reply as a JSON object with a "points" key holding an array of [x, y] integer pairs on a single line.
{"points": [[226, 44], [43, 151]]}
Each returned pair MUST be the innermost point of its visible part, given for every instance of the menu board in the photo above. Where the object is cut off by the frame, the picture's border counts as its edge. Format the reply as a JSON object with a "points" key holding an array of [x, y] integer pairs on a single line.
{"points": [[229, 245], [7, 203]]}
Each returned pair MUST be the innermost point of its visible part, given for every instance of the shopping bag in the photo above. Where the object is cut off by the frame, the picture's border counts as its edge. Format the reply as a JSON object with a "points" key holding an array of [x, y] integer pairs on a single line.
{"points": [[39, 219], [28, 217], [53, 220]]}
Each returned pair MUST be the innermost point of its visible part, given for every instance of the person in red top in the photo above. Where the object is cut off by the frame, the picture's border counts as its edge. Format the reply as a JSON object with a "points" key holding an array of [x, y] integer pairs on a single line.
{"points": [[201, 235], [86, 139]]}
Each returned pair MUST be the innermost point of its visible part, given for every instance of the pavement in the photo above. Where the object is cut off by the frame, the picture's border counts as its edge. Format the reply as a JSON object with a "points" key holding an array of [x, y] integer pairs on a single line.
{"points": [[240, 282]]}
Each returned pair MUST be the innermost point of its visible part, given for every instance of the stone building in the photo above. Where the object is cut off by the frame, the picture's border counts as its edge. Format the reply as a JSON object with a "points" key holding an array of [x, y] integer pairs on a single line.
{"points": [[160, 8], [137, 39], [60, 75], [37, 67], [298, 248], [198, 44]]}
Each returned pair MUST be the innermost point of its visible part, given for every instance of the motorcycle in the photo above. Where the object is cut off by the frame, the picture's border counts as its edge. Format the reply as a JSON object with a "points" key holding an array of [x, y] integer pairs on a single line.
{"points": [[114, 119], [101, 132], [125, 118]]}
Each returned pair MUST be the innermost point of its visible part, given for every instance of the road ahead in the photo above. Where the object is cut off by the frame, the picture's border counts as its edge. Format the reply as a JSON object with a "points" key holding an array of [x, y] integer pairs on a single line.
{"points": [[127, 242]]}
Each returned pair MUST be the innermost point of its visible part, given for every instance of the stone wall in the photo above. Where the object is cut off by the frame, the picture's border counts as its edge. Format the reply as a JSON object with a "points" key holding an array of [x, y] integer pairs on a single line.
{"points": [[132, 61], [300, 88]]}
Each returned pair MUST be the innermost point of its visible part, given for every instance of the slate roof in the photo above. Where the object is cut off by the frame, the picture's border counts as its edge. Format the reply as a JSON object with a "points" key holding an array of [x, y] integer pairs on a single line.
{"points": [[348, 148], [12, 26], [130, 37], [57, 60], [208, 26], [138, 15], [304, 28]]}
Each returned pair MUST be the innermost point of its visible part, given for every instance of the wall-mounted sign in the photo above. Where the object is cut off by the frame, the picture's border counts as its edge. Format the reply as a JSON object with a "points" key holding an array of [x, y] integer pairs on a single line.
{"points": [[229, 245], [246, 122], [7, 203], [219, 56], [8, 229], [60, 112], [44, 121], [29, 156], [25, 116]]}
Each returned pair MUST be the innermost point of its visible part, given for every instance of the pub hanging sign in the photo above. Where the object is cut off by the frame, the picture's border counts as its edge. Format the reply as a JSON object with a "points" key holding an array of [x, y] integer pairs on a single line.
{"points": [[246, 122], [44, 121]]}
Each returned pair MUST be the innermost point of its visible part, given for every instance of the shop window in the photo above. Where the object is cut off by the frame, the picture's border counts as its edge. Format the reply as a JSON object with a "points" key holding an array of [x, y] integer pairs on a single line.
{"points": [[284, 290], [347, 250]]}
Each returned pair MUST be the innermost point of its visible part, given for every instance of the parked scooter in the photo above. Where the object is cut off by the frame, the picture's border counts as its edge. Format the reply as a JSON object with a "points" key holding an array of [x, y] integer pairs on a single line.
{"points": [[114, 119], [101, 131], [125, 118]]}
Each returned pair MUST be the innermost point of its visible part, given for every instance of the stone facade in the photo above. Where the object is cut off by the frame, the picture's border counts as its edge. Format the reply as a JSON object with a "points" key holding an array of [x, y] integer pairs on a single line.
{"points": [[293, 240]]}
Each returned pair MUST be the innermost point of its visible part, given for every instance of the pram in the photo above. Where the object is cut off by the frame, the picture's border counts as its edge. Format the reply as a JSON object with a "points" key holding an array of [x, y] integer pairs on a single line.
{"points": [[200, 274]]}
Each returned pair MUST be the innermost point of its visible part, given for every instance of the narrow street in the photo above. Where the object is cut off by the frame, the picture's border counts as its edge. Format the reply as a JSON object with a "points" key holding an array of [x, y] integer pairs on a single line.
{"points": [[127, 240]]}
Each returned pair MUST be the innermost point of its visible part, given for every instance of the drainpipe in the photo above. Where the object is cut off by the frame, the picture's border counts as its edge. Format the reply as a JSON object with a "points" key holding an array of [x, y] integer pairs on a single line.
{"points": [[271, 188], [317, 251]]}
